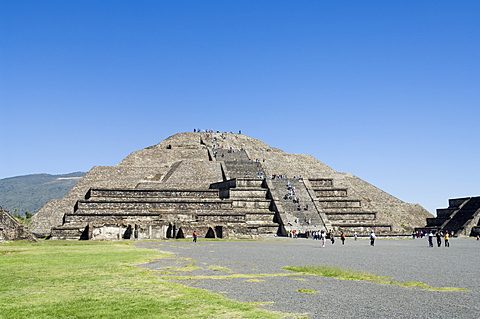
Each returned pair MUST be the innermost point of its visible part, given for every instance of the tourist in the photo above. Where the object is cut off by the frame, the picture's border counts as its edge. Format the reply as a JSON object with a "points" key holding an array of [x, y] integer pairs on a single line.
{"points": [[446, 238], [439, 239], [342, 237], [324, 238], [195, 235], [332, 238], [430, 239], [372, 238], [355, 235]]}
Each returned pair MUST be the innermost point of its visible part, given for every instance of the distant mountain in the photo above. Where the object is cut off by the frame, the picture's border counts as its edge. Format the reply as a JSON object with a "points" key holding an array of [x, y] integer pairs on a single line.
{"points": [[30, 192]]}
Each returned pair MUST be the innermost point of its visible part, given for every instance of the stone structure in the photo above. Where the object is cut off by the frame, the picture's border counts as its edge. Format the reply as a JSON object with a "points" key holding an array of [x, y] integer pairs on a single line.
{"points": [[461, 217], [221, 185], [11, 229]]}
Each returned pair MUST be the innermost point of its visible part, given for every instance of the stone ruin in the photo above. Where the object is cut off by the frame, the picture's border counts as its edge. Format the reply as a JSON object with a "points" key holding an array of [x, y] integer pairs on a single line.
{"points": [[462, 217], [11, 229], [222, 185]]}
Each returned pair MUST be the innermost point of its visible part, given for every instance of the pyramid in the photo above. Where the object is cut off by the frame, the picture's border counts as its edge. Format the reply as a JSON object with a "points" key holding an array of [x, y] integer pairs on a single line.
{"points": [[461, 217], [11, 229], [221, 185]]}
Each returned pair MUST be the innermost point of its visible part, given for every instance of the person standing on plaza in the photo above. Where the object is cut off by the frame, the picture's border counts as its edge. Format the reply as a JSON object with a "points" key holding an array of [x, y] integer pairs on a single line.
{"points": [[342, 237], [324, 238], [439, 238], [355, 235], [430, 239], [195, 235], [446, 238], [372, 238]]}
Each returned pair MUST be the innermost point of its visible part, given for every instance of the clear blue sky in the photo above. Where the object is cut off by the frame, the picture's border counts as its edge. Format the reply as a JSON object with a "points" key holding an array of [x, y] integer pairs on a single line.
{"points": [[386, 90]]}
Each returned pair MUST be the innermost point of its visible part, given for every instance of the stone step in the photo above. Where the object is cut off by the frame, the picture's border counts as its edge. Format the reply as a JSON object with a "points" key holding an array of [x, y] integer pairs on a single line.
{"points": [[352, 222], [330, 192], [339, 203], [457, 202], [148, 185], [250, 204], [255, 193], [159, 204], [138, 193], [343, 210], [351, 216], [445, 212], [436, 222], [321, 182]]}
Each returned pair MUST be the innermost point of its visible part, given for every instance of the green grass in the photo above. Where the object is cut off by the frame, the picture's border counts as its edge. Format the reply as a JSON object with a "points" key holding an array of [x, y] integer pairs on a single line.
{"points": [[307, 291], [218, 268], [346, 274], [60, 279], [222, 277]]}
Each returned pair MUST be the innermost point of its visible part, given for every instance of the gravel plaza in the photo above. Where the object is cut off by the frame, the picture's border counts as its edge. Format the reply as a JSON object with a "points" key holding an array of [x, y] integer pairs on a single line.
{"points": [[401, 259]]}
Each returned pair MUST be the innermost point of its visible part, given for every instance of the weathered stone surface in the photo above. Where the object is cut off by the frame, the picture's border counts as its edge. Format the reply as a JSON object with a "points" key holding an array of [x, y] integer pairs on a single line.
{"points": [[221, 185], [11, 229]]}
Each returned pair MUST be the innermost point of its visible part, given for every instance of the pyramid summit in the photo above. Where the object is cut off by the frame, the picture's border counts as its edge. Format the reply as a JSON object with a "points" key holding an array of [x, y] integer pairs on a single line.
{"points": [[222, 185]]}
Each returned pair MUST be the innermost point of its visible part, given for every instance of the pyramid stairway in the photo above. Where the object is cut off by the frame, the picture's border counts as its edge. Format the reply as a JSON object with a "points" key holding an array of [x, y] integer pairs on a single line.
{"points": [[462, 217]]}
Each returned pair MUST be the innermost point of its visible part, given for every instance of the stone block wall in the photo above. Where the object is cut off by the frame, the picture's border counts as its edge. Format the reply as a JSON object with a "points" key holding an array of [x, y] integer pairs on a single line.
{"points": [[11, 229]]}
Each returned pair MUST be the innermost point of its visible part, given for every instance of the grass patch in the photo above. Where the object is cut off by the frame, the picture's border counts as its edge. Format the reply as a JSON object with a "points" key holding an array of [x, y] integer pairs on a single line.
{"points": [[223, 277], [173, 269], [346, 274], [307, 291], [73, 279], [217, 268]]}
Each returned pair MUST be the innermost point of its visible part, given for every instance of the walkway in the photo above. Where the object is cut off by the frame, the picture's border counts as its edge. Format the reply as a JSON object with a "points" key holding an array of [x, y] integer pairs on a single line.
{"points": [[403, 260]]}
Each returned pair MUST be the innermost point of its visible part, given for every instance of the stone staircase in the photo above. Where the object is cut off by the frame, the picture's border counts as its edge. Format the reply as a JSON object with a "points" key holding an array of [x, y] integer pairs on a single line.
{"points": [[249, 198], [295, 208], [462, 217], [237, 164]]}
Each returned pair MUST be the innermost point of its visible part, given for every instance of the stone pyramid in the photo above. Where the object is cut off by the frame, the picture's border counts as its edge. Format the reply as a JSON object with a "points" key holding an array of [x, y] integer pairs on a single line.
{"points": [[11, 229], [461, 217], [222, 185]]}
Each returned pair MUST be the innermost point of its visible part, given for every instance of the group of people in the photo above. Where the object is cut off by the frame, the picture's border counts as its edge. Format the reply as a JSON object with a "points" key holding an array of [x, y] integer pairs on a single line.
{"points": [[324, 235], [292, 195], [197, 130], [438, 235], [281, 176]]}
